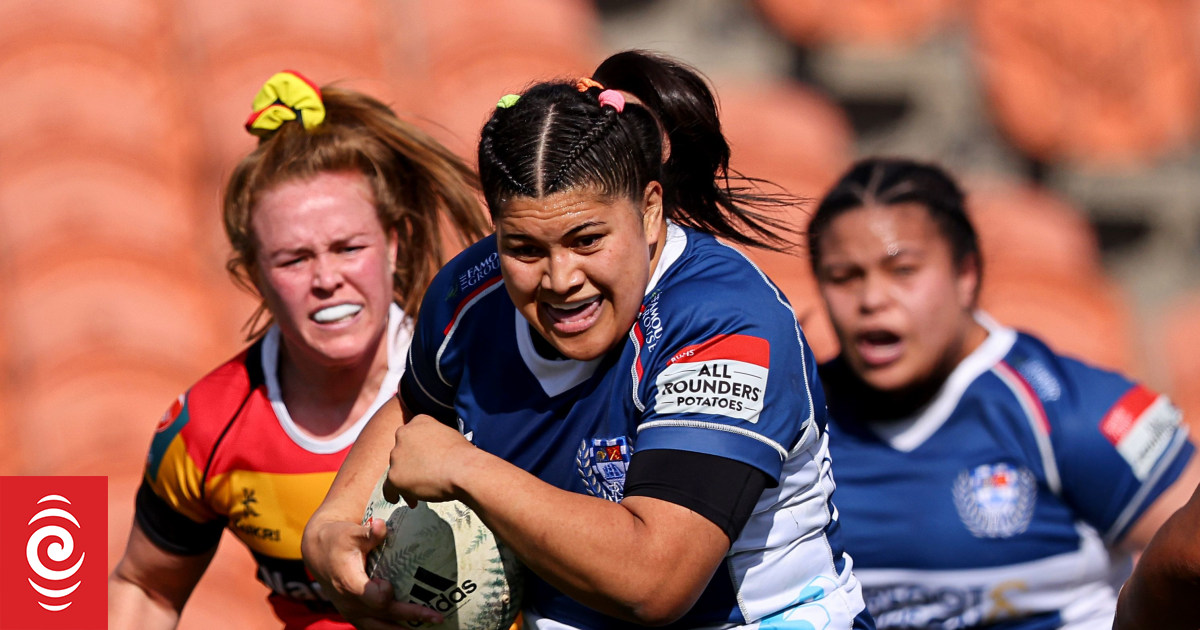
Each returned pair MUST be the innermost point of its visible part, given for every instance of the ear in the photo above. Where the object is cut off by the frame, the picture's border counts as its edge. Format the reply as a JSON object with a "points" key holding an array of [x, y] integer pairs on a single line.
{"points": [[393, 243], [968, 281], [653, 223]]}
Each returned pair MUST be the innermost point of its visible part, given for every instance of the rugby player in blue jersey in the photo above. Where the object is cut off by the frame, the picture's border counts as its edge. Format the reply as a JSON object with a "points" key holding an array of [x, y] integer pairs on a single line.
{"points": [[984, 481], [623, 398]]}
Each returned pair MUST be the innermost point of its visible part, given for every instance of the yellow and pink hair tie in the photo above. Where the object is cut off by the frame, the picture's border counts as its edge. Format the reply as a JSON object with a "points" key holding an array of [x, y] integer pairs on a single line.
{"points": [[285, 97]]}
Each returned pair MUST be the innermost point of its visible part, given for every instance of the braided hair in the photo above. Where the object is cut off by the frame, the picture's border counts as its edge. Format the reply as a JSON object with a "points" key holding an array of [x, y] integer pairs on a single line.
{"points": [[556, 138]]}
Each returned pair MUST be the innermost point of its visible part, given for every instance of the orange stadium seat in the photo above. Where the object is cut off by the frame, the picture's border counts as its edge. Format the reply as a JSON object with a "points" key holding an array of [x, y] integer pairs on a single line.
{"points": [[1026, 230], [92, 412], [1179, 343], [83, 100], [44, 202], [460, 100], [1088, 320], [1120, 87], [868, 23], [137, 27], [216, 32], [457, 32], [63, 304], [787, 133]]}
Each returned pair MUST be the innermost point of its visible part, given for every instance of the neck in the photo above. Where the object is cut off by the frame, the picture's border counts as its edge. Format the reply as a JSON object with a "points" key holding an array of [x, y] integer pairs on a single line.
{"points": [[879, 405], [325, 400]]}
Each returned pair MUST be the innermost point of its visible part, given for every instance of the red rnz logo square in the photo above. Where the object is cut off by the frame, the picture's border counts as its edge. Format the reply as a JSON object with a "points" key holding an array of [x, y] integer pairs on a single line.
{"points": [[54, 553]]}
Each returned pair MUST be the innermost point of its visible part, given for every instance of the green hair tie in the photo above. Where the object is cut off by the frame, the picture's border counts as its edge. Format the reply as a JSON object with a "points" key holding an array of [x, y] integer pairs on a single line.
{"points": [[508, 100]]}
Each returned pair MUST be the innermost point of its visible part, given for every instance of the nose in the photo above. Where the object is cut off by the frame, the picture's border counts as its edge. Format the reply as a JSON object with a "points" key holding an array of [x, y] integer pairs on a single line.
{"points": [[326, 275], [874, 294], [562, 274]]}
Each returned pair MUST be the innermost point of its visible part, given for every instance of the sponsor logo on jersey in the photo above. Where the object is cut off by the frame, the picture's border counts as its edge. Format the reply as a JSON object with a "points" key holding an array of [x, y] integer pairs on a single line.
{"points": [[248, 511], [650, 322], [945, 606], [1141, 426], [602, 464], [291, 585], [439, 592], [169, 426], [475, 275], [53, 549], [995, 500], [724, 376]]}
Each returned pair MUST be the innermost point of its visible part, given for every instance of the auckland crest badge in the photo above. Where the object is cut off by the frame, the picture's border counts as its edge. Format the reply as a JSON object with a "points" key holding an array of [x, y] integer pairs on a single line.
{"points": [[995, 500], [602, 464]]}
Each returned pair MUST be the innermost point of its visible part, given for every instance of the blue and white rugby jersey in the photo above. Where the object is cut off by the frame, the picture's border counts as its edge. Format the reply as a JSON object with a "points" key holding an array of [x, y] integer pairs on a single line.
{"points": [[715, 364], [999, 503]]}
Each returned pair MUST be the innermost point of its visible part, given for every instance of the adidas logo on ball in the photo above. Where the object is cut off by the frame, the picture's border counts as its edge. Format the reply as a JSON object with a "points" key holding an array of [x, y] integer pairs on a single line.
{"points": [[446, 594]]}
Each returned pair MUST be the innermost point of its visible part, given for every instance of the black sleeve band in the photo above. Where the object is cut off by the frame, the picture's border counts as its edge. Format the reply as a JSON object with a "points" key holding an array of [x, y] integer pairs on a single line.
{"points": [[720, 489], [171, 531]]}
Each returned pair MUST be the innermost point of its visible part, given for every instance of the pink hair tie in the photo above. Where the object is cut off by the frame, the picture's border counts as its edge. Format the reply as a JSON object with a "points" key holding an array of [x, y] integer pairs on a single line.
{"points": [[613, 99]]}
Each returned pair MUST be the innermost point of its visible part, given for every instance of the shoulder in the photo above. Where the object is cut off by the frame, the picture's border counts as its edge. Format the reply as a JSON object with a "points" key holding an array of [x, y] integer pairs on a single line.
{"points": [[703, 278], [199, 416], [461, 282], [1068, 386]]}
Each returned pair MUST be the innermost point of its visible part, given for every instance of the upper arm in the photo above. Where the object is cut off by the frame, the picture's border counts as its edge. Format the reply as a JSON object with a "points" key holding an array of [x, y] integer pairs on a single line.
{"points": [[686, 547], [1123, 453], [149, 586], [1172, 499], [726, 379]]}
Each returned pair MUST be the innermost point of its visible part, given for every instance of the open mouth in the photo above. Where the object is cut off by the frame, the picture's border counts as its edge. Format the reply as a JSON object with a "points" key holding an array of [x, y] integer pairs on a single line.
{"points": [[572, 317], [333, 314], [879, 347]]}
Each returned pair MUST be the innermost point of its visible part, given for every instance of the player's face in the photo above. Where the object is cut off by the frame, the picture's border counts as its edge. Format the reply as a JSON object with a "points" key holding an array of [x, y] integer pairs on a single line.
{"points": [[577, 265], [324, 267], [901, 307]]}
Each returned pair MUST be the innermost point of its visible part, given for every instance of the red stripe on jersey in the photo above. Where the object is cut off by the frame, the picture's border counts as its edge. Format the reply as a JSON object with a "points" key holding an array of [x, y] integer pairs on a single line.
{"points": [[641, 341], [467, 300], [1024, 392], [743, 348], [1125, 413]]}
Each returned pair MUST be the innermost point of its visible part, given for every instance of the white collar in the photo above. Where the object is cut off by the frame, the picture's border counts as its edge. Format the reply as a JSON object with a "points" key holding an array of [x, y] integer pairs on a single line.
{"points": [[909, 433]]}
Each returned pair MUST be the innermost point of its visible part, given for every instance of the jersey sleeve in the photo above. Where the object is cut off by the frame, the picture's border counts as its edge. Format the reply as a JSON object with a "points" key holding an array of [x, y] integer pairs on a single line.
{"points": [[724, 371], [1118, 445], [432, 371], [171, 507]]}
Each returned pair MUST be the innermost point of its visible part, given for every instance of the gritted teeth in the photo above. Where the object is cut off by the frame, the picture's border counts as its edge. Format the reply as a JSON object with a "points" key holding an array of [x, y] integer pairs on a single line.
{"points": [[334, 313]]}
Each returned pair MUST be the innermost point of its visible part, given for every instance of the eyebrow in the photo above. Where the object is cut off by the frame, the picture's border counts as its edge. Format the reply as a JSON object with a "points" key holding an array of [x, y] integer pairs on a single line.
{"points": [[591, 223]]}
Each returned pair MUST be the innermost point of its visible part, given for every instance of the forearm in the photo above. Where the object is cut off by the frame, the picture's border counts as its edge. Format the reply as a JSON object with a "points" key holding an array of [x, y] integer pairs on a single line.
{"points": [[1164, 590], [134, 607], [667, 553]]}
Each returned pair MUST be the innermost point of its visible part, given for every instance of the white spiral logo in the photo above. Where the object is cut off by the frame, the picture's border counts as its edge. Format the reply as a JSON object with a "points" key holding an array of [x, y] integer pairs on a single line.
{"points": [[59, 550]]}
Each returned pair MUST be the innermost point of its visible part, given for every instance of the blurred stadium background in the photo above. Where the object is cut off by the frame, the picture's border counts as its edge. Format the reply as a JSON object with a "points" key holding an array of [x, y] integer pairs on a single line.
{"points": [[1073, 124]]}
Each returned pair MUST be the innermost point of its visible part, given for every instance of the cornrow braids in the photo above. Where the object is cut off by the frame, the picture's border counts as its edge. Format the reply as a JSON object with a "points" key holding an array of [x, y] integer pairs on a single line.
{"points": [[601, 127], [892, 181], [556, 138], [486, 149]]}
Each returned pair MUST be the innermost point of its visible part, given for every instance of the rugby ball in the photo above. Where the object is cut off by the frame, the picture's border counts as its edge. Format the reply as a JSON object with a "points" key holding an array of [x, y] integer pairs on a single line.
{"points": [[441, 555]]}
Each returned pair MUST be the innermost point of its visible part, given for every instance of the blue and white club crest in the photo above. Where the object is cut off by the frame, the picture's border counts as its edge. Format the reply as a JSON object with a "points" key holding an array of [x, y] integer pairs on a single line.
{"points": [[602, 464], [995, 500]]}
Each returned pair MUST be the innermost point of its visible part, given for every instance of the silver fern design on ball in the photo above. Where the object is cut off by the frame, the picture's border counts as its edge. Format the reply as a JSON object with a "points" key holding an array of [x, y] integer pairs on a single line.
{"points": [[443, 556]]}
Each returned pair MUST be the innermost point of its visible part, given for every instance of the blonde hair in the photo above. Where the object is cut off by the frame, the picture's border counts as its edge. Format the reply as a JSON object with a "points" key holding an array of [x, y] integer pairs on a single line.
{"points": [[420, 187]]}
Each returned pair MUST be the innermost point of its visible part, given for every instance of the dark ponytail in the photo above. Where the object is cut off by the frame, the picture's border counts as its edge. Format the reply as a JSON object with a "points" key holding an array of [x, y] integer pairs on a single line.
{"points": [[699, 189], [556, 138]]}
